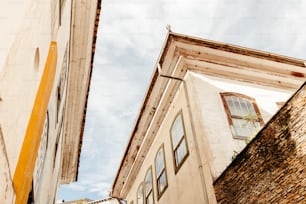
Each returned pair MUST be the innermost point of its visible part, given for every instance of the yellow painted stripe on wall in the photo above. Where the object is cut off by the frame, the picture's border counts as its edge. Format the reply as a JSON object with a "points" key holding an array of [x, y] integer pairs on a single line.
{"points": [[26, 163]]}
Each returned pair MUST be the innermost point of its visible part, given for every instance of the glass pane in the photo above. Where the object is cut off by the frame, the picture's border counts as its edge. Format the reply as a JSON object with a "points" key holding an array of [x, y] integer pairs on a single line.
{"points": [[255, 127], [231, 106], [148, 182], [251, 108], [244, 108], [241, 127], [180, 152], [159, 163], [237, 107], [140, 195], [162, 182], [177, 131], [245, 128]]}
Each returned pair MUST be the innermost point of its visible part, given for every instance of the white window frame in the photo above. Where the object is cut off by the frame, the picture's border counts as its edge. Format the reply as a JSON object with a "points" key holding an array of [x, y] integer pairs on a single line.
{"points": [[160, 173], [254, 116], [182, 142], [148, 192]]}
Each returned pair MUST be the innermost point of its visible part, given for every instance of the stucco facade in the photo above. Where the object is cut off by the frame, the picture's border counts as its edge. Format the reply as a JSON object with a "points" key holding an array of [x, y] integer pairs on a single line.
{"points": [[40, 43], [190, 84]]}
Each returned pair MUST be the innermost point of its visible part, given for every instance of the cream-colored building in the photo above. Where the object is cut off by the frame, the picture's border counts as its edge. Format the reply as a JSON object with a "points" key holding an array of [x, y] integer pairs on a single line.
{"points": [[46, 56], [87, 201], [205, 101]]}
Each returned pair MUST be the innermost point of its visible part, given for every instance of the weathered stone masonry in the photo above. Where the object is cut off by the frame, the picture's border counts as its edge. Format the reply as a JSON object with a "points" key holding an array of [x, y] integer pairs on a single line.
{"points": [[272, 168]]}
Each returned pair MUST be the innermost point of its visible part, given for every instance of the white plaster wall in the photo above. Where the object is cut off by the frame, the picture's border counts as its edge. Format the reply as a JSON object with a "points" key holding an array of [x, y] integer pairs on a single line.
{"points": [[7, 194], [184, 186], [52, 167], [12, 15], [214, 131], [28, 25], [18, 77], [211, 131]]}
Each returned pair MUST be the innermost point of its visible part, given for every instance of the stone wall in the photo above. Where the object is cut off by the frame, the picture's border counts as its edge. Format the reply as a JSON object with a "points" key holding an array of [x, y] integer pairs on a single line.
{"points": [[272, 168]]}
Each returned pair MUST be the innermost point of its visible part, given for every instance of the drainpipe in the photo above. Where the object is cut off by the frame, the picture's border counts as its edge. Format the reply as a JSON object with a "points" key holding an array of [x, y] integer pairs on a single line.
{"points": [[197, 150]]}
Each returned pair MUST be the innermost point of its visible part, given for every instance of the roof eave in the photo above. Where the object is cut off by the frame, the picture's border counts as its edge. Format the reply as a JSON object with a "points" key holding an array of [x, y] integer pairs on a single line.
{"points": [[75, 120]]}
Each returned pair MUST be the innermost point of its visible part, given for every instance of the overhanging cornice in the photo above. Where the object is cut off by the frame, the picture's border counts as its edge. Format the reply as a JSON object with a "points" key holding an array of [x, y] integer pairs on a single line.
{"points": [[84, 26]]}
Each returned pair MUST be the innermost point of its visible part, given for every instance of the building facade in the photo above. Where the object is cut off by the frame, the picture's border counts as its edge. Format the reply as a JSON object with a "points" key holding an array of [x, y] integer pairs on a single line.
{"points": [[80, 201], [205, 102], [87, 201], [46, 56]]}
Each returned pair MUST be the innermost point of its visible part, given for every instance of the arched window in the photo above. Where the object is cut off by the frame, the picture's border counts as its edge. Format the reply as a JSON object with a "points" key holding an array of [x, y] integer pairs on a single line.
{"points": [[140, 194], [160, 169], [243, 114], [148, 188], [179, 143]]}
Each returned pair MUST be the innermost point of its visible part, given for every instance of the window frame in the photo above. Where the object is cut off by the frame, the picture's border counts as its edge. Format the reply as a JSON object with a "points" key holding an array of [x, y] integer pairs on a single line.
{"points": [[164, 170], [145, 195], [142, 193], [61, 9], [178, 166], [230, 116]]}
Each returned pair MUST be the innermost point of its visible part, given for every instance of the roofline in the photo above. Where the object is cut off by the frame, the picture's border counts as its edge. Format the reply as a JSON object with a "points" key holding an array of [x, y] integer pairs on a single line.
{"points": [[240, 50], [70, 168], [207, 43], [99, 6], [144, 102]]}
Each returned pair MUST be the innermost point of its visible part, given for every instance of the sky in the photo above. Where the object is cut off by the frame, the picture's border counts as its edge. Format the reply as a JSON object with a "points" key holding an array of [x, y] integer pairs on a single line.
{"points": [[130, 37]]}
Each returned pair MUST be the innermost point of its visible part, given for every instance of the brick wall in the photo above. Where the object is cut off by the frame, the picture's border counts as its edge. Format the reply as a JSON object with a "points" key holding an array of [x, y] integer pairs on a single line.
{"points": [[272, 168]]}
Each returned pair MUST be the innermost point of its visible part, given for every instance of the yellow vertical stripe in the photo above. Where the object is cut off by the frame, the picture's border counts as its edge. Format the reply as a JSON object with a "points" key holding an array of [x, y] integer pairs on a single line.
{"points": [[25, 167]]}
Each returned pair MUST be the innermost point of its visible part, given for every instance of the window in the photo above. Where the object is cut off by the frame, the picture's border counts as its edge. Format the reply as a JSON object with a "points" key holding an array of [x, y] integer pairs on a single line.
{"points": [[179, 143], [148, 188], [61, 9], [160, 169], [57, 142], [62, 86], [31, 196], [243, 115], [36, 59], [140, 194]]}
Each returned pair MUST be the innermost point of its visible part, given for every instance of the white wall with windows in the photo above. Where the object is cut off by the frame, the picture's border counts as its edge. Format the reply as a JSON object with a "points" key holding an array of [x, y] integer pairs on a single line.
{"points": [[231, 113], [171, 160], [207, 113], [25, 40]]}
